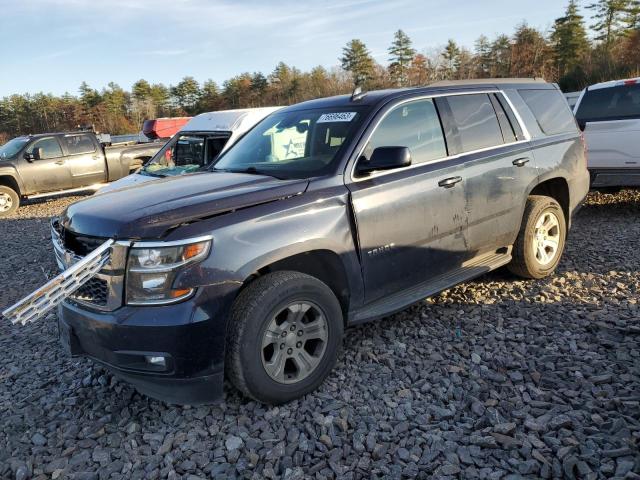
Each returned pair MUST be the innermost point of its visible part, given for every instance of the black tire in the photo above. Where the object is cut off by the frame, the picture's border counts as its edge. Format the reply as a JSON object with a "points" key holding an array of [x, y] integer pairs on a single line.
{"points": [[525, 262], [9, 201], [254, 310]]}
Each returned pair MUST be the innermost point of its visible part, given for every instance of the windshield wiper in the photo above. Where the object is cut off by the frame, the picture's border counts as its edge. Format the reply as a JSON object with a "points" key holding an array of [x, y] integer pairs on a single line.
{"points": [[250, 170]]}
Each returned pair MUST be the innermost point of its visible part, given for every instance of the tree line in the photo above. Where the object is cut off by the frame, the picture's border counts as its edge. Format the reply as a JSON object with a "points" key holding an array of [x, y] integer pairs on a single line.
{"points": [[572, 53]]}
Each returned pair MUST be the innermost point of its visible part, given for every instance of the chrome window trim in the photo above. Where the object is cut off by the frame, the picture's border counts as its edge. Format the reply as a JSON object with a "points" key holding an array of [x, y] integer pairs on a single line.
{"points": [[525, 132]]}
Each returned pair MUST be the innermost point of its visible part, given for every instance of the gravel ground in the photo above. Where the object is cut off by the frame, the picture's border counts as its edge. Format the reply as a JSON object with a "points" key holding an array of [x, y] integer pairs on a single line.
{"points": [[497, 378]]}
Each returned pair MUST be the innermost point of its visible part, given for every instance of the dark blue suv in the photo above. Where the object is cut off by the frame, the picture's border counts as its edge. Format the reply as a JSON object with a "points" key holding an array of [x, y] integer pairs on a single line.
{"points": [[327, 214]]}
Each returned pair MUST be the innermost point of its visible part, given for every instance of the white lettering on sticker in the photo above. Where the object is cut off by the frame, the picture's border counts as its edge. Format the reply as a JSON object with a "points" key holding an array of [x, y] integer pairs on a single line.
{"points": [[336, 117]]}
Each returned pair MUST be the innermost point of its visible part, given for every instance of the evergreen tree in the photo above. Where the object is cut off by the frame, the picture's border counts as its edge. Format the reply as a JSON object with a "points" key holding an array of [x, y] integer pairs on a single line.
{"points": [[632, 16], [357, 60], [141, 90], [483, 57], [609, 18], [401, 54], [186, 94], [451, 57], [569, 39], [501, 57]]}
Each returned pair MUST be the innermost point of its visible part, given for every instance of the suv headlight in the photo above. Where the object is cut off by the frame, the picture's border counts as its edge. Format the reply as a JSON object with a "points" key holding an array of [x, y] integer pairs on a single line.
{"points": [[152, 268]]}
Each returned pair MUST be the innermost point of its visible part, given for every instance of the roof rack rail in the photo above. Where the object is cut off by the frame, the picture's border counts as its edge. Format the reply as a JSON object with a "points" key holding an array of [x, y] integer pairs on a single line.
{"points": [[444, 83]]}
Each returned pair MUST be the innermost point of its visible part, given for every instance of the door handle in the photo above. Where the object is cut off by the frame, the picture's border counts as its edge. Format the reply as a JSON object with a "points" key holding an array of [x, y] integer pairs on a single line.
{"points": [[96, 157], [449, 182], [519, 162], [59, 162]]}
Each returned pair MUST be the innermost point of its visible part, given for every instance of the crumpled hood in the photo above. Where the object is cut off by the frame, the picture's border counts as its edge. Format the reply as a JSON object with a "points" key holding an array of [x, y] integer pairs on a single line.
{"points": [[147, 210]]}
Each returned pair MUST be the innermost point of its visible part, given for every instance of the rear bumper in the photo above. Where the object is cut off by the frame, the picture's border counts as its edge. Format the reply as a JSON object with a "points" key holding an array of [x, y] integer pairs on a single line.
{"points": [[124, 341], [615, 177]]}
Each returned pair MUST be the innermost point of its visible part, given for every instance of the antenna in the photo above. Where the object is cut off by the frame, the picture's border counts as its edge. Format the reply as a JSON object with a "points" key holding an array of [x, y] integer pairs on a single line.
{"points": [[357, 94]]}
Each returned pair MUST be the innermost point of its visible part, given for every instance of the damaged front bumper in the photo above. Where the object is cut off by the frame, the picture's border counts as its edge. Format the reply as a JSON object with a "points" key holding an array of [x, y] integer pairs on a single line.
{"points": [[174, 353]]}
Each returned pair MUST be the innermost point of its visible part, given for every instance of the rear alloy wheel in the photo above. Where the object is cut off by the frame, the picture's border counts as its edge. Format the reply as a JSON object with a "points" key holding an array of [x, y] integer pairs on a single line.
{"points": [[284, 336], [9, 201], [540, 243], [546, 240]]}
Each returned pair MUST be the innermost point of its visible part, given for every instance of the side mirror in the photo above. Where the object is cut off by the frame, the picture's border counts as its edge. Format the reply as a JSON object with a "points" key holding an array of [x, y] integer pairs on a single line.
{"points": [[385, 158], [36, 153], [28, 156]]}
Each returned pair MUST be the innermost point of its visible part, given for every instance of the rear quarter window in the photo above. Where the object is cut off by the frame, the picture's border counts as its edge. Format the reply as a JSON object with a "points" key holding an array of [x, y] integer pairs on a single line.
{"points": [[613, 103], [551, 111]]}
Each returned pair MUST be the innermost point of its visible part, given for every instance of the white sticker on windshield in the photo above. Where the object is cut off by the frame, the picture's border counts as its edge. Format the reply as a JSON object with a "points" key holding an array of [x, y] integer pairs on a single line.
{"points": [[336, 117]]}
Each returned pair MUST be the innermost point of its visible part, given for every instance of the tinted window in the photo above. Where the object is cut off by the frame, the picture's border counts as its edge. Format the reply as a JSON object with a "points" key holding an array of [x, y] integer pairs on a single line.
{"points": [[613, 103], [476, 121], [50, 148], [550, 109], [77, 144], [414, 125]]}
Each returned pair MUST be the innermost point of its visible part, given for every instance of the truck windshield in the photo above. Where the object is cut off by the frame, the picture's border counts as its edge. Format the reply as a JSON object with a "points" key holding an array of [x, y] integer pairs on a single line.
{"points": [[186, 153], [296, 144], [12, 147]]}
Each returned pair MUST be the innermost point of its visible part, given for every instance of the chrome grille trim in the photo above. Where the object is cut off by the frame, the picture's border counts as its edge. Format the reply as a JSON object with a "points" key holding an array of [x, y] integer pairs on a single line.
{"points": [[50, 295], [112, 272]]}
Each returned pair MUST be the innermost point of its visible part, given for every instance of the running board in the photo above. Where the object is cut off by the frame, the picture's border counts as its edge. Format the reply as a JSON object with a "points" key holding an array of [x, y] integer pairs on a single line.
{"points": [[95, 187], [401, 300]]}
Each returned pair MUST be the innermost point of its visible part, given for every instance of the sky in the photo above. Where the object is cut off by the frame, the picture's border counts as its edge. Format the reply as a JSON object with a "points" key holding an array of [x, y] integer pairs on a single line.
{"points": [[54, 45]]}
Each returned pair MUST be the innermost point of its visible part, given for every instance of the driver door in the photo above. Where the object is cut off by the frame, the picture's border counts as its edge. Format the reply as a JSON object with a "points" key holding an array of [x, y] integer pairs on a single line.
{"points": [[411, 223], [48, 173]]}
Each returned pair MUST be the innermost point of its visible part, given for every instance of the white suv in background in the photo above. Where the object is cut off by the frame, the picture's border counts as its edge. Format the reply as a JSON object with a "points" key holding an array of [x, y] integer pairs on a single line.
{"points": [[609, 115]]}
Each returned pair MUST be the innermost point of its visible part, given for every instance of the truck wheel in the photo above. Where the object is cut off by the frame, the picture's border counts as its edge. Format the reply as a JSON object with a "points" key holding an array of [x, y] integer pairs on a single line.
{"points": [[284, 337], [9, 201], [540, 243]]}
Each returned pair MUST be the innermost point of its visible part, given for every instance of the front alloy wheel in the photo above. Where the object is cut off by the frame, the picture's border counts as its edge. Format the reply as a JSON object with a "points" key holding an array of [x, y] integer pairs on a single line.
{"points": [[294, 342], [284, 336], [9, 201]]}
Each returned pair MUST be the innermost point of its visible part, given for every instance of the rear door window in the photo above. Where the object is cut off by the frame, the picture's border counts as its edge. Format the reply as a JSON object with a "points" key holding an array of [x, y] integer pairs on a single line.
{"points": [[614, 103], [50, 148], [551, 111], [476, 121], [78, 144], [414, 125]]}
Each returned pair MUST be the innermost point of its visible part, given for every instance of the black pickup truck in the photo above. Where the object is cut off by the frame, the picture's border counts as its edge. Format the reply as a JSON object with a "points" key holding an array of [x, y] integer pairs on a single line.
{"points": [[326, 214], [52, 163]]}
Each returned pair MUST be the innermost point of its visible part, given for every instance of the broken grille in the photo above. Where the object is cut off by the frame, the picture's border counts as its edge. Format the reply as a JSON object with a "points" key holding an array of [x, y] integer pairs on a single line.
{"points": [[50, 295], [95, 291]]}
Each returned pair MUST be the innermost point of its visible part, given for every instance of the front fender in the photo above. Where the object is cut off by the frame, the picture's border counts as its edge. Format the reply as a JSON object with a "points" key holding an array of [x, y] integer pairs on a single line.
{"points": [[10, 172], [265, 234]]}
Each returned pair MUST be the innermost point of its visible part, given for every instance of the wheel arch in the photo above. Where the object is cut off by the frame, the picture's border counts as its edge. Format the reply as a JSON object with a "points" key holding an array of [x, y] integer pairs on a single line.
{"points": [[323, 264], [11, 182], [558, 189]]}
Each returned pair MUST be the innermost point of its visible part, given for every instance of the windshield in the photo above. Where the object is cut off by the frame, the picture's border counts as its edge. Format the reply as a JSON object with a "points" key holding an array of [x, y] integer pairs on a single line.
{"points": [[12, 147], [186, 153], [297, 144]]}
